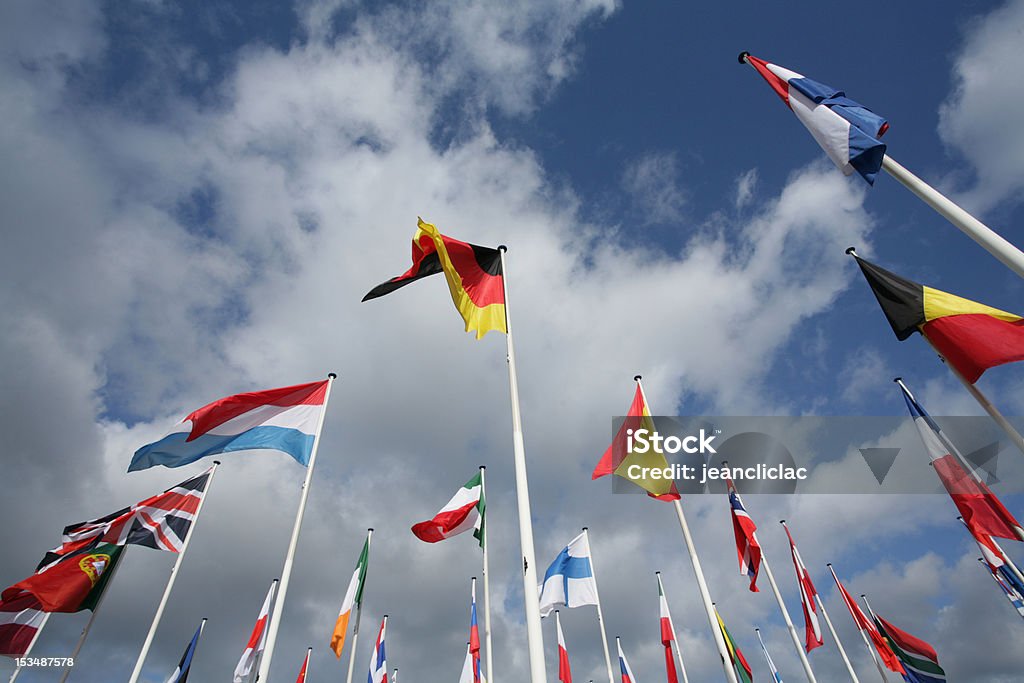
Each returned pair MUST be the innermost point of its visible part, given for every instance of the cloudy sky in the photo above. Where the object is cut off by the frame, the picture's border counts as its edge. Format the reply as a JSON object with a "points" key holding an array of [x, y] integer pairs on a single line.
{"points": [[195, 196]]}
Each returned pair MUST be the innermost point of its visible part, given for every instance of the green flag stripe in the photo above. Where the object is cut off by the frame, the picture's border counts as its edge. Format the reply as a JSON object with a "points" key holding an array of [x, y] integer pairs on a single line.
{"points": [[364, 560]]}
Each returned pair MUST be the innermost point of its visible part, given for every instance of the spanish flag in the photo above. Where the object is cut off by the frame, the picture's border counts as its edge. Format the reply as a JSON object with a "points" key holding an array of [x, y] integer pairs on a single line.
{"points": [[473, 273], [972, 337]]}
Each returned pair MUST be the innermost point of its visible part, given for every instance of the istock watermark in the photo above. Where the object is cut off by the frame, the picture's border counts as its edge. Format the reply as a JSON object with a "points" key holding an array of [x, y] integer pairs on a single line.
{"points": [[831, 454]]}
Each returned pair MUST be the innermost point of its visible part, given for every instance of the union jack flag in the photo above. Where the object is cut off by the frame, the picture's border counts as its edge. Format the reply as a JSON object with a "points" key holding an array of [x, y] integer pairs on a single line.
{"points": [[747, 547]]}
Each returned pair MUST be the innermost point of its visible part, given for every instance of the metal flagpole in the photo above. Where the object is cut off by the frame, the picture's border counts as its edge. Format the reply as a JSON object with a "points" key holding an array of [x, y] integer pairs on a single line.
{"points": [[872, 613], [394, 676], [531, 597], [92, 617], [675, 634], [170, 581], [359, 612], [1004, 588], [702, 584], [867, 644], [600, 616], [289, 558], [768, 658], [305, 665], [32, 643], [839, 643], [487, 584], [1002, 553], [991, 241]]}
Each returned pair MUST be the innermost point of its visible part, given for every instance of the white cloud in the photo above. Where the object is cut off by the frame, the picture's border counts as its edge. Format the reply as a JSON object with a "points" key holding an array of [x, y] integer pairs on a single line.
{"points": [[653, 183], [746, 185]]}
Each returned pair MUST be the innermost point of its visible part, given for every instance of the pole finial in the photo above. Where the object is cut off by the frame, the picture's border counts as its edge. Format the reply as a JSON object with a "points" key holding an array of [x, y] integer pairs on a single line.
{"points": [[216, 462], [828, 564], [584, 529], [637, 378], [483, 467], [897, 379], [742, 59], [782, 521], [370, 529], [502, 248], [852, 251], [332, 375]]}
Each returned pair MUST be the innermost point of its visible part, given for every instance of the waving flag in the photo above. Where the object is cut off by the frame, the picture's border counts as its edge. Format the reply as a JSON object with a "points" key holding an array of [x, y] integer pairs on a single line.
{"points": [[353, 599], [248, 665], [569, 580], [864, 624], [667, 633], [776, 676], [920, 663], [21, 617], [71, 583], [1012, 593], [564, 672], [981, 510], [379, 661], [808, 598], [180, 674], [627, 673], [617, 459], [463, 512], [747, 548], [474, 637], [739, 662], [468, 667], [473, 273], [285, 419], [972, 337], [846, 130], [305, 667]]}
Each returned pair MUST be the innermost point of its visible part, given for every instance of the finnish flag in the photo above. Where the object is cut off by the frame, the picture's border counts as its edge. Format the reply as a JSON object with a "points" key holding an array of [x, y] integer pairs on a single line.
{"points": [[569, 580]]}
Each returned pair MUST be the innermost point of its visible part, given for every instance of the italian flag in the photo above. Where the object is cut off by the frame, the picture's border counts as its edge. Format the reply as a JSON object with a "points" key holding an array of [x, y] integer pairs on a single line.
{"points": [[353, 599], [463, 512]]}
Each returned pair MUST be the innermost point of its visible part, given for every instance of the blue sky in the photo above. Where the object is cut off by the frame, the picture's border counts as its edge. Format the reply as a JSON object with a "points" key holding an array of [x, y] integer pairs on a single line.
{"points": [[195, 197]]}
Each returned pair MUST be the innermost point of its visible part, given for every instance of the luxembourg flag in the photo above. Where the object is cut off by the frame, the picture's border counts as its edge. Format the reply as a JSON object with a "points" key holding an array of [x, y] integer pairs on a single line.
{"points": [[627, 673], [569, 580], [379, 661], [286, 419], [846, 130]]}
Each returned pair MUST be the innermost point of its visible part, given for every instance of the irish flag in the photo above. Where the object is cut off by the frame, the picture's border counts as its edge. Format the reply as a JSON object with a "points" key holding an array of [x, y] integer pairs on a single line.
{"points": [[286, 419], [353, 599], [463, 512]]}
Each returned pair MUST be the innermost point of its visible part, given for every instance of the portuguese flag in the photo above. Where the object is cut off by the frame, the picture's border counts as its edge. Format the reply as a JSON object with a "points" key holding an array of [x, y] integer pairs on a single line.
{"points": [[73, 583], [972, 337], [919, 659], [473, 273]]}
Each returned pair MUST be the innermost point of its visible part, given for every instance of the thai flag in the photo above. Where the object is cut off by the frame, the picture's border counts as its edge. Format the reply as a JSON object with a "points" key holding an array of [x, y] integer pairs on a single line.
{"points": [[569, 580], [285, 419], [627, 673], [846, 130], [379, 661], [564, 672], [747, 547]]}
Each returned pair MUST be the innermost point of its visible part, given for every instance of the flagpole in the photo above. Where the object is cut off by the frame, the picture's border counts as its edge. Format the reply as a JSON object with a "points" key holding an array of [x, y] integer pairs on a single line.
{"points": [[531, 597], [1002, 587], [873, 617], [871, 650], [31, 644], [487, 583], [990, 240], [768, 657], [1002, 553], [702, 584], [359, 612], [600, 616], [839, 643], [305, 665], [137, 671], [289, 559], [394, 676], [671, 624], [92, 617]]}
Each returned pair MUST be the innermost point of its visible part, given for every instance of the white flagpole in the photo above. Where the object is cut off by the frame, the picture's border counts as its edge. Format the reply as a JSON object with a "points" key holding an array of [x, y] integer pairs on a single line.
{"points": [[1002, 553], [394, 676], [531, 597], [867, 644], [872, 613], [702, 584], [487, 583], [600, 616], [767, 657], [675, 634], [359, 612], [991, 241], [170, 581], [1002, 586], [305, 664], [289, 558], [92, 617], [839, 643], [32, 644]]}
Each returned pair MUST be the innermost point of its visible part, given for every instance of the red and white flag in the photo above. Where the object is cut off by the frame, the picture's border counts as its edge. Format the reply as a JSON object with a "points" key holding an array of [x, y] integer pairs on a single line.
{"points": [[20, 619], [889, 658], [667, 634], [564, 672], [747, 547], [808, 598], [463, 512], [305, 666], [248, 665]]}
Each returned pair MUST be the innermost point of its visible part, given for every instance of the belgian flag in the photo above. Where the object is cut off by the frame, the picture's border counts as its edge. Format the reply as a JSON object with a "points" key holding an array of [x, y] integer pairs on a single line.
{"points": [[972, 337], [473, 273]]}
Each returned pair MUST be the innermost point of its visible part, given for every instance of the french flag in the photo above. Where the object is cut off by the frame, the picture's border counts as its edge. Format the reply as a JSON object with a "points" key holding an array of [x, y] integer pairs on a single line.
{"points": [[846, 130], [285, 419]]}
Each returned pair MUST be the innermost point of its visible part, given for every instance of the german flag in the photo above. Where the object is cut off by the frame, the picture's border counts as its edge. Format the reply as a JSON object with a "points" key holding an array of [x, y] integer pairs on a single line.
{"points": [[972, 337], [473, 273]]}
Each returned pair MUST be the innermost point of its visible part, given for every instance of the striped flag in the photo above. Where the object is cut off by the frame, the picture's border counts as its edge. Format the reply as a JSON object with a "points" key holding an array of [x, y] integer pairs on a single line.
{"points": [[353, 599], [474, 276], [808, 598], [180, 674], [569, 580], [846, 130], [747, 548], [739, 662], [378, 661], [564, 672], [1015, 596], [920, 662], [981, 510], [667, 634], [627, 673], [865, 625], [248, 665], [995, 557], [463, 512], [305, 667], [474, 637], [285, 419], [21, 617], [776, 676]]}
